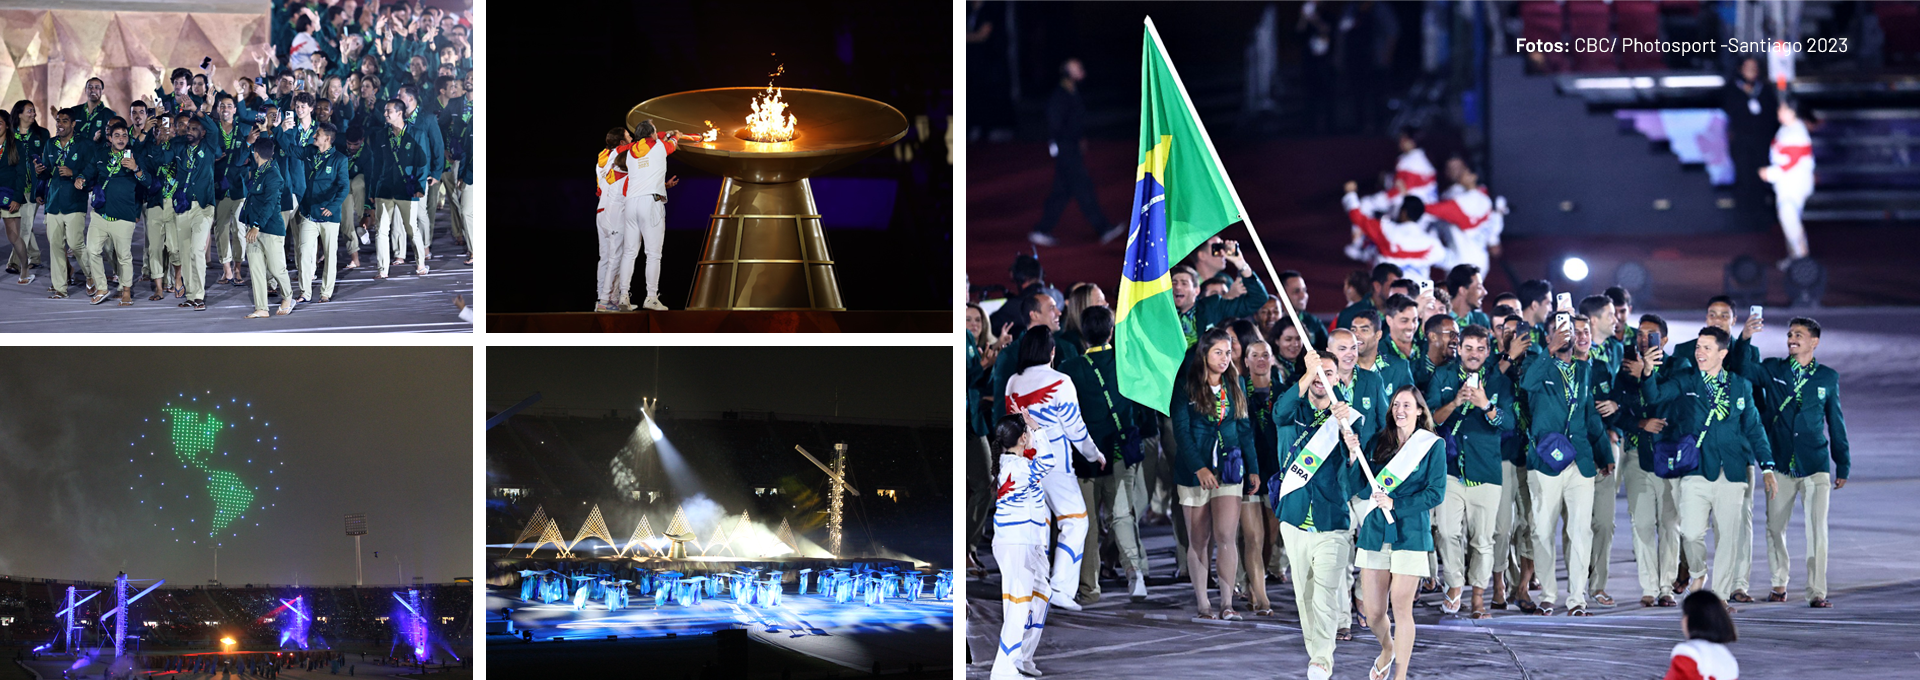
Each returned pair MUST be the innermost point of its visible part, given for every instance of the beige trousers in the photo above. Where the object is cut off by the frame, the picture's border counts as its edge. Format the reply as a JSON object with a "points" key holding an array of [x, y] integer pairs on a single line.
{"points": [[1466, 525], [103, 232], [227, 230], [267, 256], [29, 251], [190, 230], [1110, 495], [1319, 562], [316, 239], [1812, 492], [1569, 495], [397, 220], [1652, 506], [160, 244], [1700, 498], [1512, 523], [65, 232]]}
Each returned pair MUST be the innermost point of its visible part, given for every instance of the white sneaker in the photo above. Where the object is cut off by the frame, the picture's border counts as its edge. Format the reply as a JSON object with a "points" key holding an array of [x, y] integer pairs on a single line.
{"points": [[626, 304], [1040, 239], [1064, 601], [1139, 587], [1027, 668], [654, 304]]}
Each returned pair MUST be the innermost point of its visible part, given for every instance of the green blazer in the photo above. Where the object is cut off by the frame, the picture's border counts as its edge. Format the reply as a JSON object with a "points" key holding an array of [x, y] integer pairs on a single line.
{"points": [[1802, 419], [1413, 503], [1197, 433], [1475, 430], [1735, 440]]}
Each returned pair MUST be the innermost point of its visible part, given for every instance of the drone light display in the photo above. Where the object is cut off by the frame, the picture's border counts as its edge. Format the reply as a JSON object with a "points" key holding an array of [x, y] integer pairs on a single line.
{"points": [[208, 459]]}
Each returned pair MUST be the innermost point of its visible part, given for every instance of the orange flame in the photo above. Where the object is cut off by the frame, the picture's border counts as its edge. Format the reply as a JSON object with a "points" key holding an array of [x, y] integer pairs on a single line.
{"points": [[711, 133], [770, 122]]}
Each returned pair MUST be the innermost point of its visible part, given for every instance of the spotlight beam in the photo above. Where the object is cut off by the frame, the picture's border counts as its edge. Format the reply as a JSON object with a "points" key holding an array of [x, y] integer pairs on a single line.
{"points": [[502, 416], [823, 468], [130, 600]]}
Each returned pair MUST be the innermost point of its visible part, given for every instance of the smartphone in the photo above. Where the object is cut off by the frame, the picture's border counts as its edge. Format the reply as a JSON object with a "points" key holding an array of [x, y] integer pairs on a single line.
{"points": [[1562, 321], [1563, 302], [1473, 380], [1653, 339], [1754, 312], [1218, 248], [1426, 288], [205, 62]]}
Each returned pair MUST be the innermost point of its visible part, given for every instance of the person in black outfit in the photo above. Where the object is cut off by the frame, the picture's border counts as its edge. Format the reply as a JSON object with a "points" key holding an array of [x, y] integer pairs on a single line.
{"points": [[1066, 140], [1751, 105]]}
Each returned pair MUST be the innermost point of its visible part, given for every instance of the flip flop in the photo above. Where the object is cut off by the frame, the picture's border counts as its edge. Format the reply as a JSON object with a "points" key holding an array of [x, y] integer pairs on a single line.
{"points": [[1578, 611], [1381, 672], [97, 298], [1527, 606], [1647, 601], [1603, 599], [1343, 634], [1231, 615], [157, 296], [1741, 597], [1821, 603], [1543, 610], [259, 314], [1665, 601], [1776, 596], [1450, 604], [1481, 614]]}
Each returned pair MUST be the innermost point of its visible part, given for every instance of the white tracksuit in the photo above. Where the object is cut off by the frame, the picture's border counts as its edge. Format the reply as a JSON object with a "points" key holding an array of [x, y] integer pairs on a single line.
{"points": [[1414, 171], [646, 218], [1792, 158], [1049, 395], [1407, 244], [1020, 537], [1474, 221], [609, 220]]}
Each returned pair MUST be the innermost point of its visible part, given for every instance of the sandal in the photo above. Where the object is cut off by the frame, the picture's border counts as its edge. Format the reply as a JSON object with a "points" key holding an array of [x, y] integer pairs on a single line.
{"points": [[1527, 606], [326, 298], [1603, 599], [1543, 610], [26, 279], [97, 298], [1646, 601], [1578, 611], [1381, 672], [1777, 596], [126, 298], [1263, 612], [1741, 597], [1821, 603], [199, 305], [285, 309], [1665, 601], [259, 314], [1450, 603], [1481, 614], [1343, 635], [1230, 615], [157, 296]]}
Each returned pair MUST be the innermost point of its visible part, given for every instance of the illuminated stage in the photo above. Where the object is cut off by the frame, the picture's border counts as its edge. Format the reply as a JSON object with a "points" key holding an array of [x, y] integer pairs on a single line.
{"points": [[891, 634]]}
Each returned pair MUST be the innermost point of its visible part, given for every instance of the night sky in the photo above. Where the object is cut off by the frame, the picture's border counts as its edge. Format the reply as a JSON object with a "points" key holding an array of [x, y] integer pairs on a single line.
{"points": [[901, 383], [385, 431]]}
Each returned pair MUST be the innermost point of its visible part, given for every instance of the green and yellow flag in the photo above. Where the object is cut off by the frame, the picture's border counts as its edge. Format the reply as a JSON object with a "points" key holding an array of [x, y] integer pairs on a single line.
{"points": [[1181, 198]]}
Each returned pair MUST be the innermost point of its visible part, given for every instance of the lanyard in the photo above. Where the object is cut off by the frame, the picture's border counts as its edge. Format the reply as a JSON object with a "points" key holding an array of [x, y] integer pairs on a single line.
{"points": [[1800, 376], [1717, 388], [1221, 404], [1572, 391], [1104, 394]]}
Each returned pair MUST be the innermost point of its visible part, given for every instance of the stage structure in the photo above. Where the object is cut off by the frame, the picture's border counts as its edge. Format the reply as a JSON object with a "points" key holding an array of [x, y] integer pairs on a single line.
{"points": [[413, 623], [53, 48], [595, 527], [120, 613], [70, 633], [765, 247], [835, 504], [293, 628]]}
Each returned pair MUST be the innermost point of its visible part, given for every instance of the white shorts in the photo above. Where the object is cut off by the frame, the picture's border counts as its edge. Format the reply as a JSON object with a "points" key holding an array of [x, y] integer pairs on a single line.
{"points": [[1408, 562], [1195, 497]]}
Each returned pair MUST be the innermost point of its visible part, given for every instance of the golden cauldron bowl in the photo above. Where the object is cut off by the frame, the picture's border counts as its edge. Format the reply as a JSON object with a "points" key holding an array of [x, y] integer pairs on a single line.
{"points": [[765, 246]]}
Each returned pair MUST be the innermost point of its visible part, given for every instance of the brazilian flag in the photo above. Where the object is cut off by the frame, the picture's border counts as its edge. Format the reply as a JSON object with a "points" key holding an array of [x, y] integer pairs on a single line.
{"points": [[1181, 197]]}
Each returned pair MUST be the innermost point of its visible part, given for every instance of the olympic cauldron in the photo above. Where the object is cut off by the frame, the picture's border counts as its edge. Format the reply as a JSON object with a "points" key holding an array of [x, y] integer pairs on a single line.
{"points": [[765, 249]]}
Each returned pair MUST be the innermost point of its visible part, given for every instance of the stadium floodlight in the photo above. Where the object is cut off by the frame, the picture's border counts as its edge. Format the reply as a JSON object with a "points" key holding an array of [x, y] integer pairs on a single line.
{"points": [[1574, 268]]}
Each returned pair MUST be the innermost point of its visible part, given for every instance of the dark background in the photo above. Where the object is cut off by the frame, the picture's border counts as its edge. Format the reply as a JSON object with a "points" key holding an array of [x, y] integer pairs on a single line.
{"points": [[398, 448], [565, 77]]}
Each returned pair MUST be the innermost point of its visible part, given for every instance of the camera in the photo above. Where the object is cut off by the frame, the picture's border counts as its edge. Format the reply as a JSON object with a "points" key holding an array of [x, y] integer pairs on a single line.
{"points": [[1218, 248]]}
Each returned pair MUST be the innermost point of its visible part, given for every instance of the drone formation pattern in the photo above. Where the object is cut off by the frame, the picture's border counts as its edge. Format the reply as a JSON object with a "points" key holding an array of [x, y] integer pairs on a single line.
{"points": [[225, 454]]}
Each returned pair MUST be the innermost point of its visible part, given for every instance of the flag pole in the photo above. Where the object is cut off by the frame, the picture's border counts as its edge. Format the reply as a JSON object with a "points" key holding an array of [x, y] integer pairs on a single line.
{"points": [[1285, 302]]}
